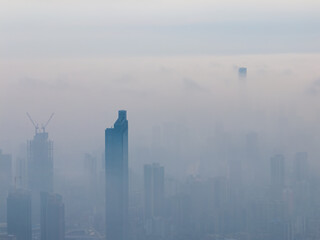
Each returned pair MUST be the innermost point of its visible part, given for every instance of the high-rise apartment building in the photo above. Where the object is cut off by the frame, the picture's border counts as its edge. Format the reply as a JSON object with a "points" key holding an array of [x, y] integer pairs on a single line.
{"points": [[19, 214], [52, 217], [39, 169], [116, 170], [277, 167], [153, 190], [5, 182], [40, 163], [300, 167]]}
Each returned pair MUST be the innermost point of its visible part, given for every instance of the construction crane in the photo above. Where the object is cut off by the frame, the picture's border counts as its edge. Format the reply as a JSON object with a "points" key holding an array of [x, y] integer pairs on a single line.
{"points": [[45, 125], [36, 126]]}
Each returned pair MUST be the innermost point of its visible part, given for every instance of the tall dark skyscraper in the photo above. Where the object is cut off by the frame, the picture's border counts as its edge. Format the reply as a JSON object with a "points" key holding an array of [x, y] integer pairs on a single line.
{"points": [[5, 182], [116, 165], [153, 190], [52, 217], [19, 214]]}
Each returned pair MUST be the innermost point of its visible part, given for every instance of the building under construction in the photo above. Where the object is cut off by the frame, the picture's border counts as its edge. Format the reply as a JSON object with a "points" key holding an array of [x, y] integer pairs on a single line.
{"points": [[40, 166], [40, 163]]}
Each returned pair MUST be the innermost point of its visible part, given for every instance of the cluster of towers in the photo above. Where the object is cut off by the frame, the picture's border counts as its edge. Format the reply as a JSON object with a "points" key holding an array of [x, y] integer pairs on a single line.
{"points": [[32, 203], [34, 211]]}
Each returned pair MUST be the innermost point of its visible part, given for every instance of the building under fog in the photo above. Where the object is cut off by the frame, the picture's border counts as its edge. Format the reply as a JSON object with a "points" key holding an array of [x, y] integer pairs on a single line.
{"points": [[300, 167], [5, 182], [242, 72], [154, 199], [153, 190], [40, 169], [19, 214], [116, 165], [52, 217], [40, 163]]}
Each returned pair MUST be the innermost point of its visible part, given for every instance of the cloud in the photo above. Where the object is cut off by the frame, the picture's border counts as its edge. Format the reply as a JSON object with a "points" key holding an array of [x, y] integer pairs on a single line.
{"points": [[34, 83], [314, 88], [192, 86]]}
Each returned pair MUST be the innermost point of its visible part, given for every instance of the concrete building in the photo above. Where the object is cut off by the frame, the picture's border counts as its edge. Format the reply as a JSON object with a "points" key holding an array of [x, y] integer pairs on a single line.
{"points": [[19, 214], [5, 182], [277, 168], [153, 190], [40, 169], [52, 217]]}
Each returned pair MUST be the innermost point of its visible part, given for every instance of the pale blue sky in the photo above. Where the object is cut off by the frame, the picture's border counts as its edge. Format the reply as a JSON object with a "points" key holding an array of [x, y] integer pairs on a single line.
{"points": [[102, 28]]}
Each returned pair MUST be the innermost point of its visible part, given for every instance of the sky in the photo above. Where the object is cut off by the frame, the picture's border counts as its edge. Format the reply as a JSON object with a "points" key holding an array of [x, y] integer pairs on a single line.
{"points": [[169, 63], [102, 28]]}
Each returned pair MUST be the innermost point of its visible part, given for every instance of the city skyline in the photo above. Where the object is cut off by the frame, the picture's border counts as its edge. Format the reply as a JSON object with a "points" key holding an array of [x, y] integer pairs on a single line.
{"points": [[159, 120]]}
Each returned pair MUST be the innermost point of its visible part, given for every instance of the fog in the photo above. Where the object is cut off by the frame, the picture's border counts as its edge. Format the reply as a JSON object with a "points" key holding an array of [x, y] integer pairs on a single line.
{"points": [[278, 100], [202, 151]]}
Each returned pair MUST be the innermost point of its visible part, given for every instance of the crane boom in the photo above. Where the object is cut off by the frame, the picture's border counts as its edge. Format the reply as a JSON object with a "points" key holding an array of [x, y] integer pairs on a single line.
{"points": [[36, 126], [48, 120], [33, 123]]}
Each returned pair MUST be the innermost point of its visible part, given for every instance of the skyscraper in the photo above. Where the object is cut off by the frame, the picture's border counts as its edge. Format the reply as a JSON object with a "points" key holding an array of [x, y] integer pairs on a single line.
{"points": [[277, 171], [40, 163], [153, 190], [19, 214], [300, 167], [242, 71], [52, 217], [40, 169], [116, 165], [277, 167], [5, 182]]}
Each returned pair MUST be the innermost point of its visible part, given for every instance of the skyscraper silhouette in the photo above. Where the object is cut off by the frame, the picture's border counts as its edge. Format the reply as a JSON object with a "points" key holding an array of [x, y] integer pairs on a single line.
{"points": [[277, 171], [40, 169], [52, 217], [300, 166], [40, 163], [277, 167], [153, 190], [116, 165], [19, 214], [5, 182]]}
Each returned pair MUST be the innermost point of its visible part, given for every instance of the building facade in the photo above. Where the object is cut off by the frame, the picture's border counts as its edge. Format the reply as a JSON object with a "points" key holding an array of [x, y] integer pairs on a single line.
{"points": [[19, 214], [116, 170], [52, 217]]}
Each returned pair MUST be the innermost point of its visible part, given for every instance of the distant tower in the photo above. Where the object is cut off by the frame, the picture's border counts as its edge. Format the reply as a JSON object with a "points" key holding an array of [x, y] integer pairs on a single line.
{"points": [[52, 217], [277, 167], [242, 71], [301, 166], [153, 190], [19, 214], [40, 163], [5, 182], [116, 165], [39, 166], [252, 147], [20, 178], [91, 173]]}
